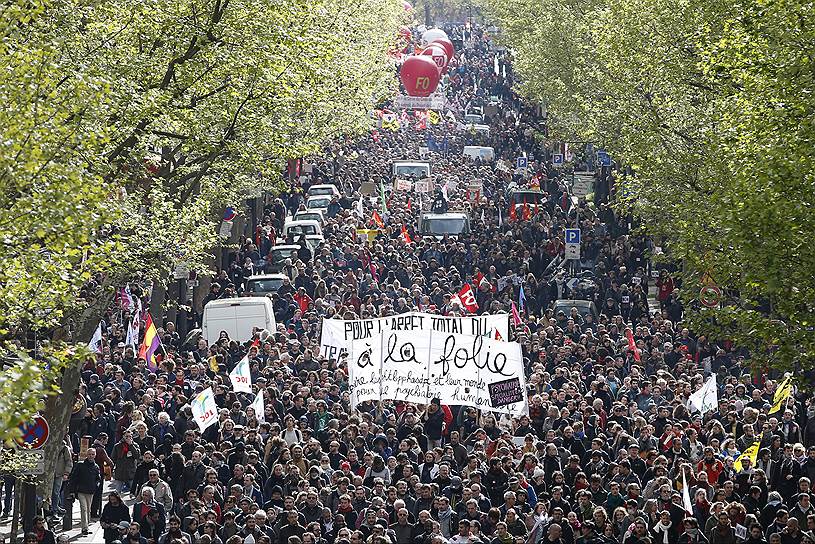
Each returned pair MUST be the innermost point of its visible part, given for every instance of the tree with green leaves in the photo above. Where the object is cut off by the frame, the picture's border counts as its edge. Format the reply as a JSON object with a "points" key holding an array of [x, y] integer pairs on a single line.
{"points": [[708, 106], [128, 126]]}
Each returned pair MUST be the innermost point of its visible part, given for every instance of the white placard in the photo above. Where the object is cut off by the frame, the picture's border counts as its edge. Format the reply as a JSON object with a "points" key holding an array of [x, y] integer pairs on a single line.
{"points": [[403, 185], [204, 409], [337, 334], [433, 102], [226, 229], [423, 186], [240, 377], [418, 366]]}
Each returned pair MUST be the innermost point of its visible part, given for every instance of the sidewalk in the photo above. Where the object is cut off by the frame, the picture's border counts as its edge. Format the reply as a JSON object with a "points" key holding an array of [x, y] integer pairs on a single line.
{"points": [[95, 535]]}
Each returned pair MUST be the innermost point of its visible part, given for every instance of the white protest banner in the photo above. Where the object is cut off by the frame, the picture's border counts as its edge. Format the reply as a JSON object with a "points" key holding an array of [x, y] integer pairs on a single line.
{"points": [[259, 407], [204, 409], [403, 184], [241, 378], [420, 365], [337, 334]]}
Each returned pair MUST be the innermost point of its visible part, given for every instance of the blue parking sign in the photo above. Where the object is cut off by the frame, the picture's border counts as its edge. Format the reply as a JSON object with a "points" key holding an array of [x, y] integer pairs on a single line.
{"points": [[521, 163], [557, 159], [572, 236]]}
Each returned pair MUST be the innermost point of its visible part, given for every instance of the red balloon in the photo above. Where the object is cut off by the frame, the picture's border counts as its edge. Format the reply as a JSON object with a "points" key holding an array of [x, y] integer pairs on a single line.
{"points": [[439, 56], [447, 45], [420, 75]]}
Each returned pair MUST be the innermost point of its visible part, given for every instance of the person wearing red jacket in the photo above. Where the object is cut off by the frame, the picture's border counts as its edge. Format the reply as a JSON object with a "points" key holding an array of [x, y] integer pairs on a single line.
{"points": [[710, 465]]}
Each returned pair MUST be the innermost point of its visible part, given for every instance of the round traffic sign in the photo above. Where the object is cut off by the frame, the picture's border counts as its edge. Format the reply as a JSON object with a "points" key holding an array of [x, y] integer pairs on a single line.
{"points": [[33, 434], [710, 296]]}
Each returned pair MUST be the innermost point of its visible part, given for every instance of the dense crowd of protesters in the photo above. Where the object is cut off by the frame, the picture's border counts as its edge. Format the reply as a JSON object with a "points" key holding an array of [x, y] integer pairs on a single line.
{"points": [[601, 458]]}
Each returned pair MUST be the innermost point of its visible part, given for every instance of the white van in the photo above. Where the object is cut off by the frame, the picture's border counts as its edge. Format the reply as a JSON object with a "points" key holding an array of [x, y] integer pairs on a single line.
{"points": [[237, 316], [440, 225], [479, 152], [411, 169]]}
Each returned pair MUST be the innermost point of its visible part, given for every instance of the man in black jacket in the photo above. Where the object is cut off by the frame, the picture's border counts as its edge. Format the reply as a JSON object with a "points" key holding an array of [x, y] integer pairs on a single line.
{"points": [[83, 481]]}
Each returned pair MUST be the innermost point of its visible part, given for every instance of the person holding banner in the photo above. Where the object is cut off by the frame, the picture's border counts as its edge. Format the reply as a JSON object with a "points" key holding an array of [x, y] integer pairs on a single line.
{"points": [[395, 371]]}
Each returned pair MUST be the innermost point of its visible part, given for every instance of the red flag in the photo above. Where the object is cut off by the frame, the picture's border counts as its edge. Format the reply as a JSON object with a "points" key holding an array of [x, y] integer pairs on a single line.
{"points": [[378, 220], [477, 279], [466, 299], [513, 215], [516, 317], [498, 335], [408, 204], [405, 235], [632, 346], [527, 212]]}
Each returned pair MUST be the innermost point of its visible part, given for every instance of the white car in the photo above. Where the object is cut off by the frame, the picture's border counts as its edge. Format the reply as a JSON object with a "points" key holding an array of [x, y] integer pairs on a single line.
{"points": [[314, 214], [324, 189], [319, 202], [264, 284], [307, 227]]}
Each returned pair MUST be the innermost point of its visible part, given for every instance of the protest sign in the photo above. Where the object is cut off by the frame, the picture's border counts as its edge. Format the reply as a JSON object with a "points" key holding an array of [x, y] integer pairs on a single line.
{"points": [[420, 365], [204, 409], [338, 333], [240, 377]]}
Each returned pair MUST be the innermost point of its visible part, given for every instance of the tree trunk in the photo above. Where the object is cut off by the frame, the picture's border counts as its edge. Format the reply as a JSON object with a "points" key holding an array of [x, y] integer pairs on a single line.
{"points": [[172, 301], [58, 408], [204, 280], [157, 302]]}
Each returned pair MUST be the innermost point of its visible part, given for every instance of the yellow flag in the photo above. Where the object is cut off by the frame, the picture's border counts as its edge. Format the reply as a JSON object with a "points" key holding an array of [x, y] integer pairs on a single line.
{"points": [[779, 391], [433, 118], [213, 364], [781, 395], [750, 453]]}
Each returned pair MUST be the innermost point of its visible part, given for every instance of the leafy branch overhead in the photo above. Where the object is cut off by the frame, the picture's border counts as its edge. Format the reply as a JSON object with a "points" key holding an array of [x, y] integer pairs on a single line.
{"points": [[129, 125], [710, 105]]}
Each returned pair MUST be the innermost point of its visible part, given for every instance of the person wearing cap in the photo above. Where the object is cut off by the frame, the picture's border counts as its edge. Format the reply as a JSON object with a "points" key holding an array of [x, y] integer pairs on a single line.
{"points": [[122, 530], [114, 513]]}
